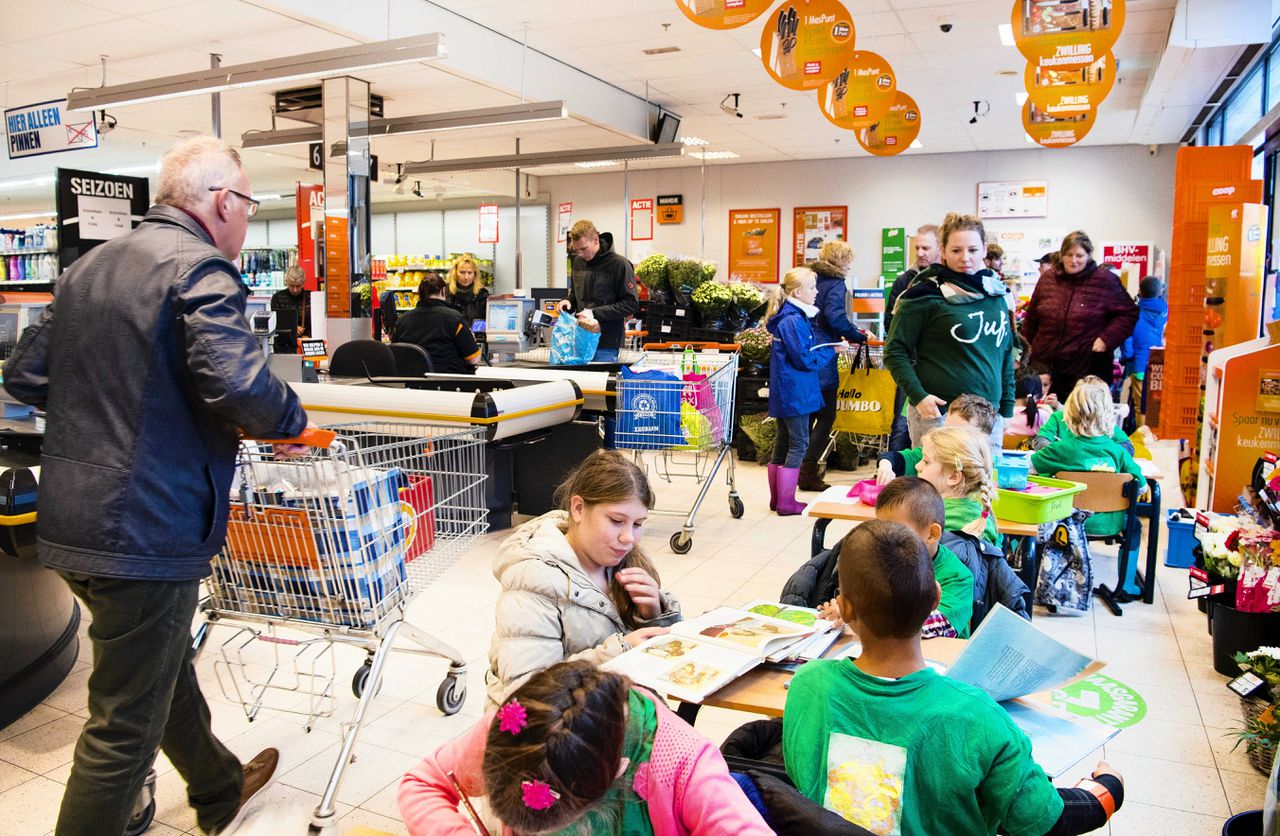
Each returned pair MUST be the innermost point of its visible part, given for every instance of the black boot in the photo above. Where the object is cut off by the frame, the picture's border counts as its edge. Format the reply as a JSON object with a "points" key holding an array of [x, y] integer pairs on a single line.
{"points": [[810, 478]]}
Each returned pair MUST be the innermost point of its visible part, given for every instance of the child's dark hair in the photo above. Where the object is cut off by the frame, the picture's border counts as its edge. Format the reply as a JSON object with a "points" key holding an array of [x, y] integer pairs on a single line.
{"points": [[1031, 388], [976, 410], [607, 476], [921, 501], [571, 742], [433, 285], [888, 575]]}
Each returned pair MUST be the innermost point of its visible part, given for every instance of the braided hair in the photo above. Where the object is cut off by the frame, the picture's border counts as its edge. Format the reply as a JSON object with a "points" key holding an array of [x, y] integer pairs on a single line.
{"points": [[965, 451], [571, 742]]}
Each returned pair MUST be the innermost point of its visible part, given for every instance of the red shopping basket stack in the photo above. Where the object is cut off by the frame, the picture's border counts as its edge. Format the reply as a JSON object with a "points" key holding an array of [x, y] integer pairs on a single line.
{"points": [[1205, 177]]}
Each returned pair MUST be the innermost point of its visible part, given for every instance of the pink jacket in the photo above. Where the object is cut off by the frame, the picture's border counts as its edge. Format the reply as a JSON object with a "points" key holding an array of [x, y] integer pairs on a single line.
{"points": [[686, 783]]}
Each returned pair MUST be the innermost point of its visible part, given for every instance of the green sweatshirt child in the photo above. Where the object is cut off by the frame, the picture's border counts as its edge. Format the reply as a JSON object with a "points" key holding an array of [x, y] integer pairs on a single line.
{"points": [[1098, 453], [962, 510]]}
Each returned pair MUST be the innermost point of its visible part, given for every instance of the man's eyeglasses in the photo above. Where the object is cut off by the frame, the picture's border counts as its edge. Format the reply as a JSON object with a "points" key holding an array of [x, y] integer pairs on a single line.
{"points": [[250, 202]]}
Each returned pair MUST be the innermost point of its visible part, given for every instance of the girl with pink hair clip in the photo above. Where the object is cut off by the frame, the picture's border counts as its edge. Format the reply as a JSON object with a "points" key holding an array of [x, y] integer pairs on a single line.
{"points": [[578, 750]]}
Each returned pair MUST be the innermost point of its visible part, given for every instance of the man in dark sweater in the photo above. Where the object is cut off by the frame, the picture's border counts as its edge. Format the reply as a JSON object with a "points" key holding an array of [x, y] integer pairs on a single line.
{"points": [[927, 253], [602, 282]]}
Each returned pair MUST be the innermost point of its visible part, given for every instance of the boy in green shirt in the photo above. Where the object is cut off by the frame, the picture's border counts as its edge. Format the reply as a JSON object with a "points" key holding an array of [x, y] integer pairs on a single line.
{"points": [[895, 747]]}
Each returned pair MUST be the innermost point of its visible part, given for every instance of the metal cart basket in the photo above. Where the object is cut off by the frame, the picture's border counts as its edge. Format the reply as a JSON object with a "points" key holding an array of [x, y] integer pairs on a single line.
{"points": [[337, 543], [678, 399]]}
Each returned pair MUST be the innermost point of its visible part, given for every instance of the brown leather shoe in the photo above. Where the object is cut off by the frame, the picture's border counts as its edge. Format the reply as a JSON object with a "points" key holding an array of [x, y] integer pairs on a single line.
{"points": [[810, 478], [257, 777]]}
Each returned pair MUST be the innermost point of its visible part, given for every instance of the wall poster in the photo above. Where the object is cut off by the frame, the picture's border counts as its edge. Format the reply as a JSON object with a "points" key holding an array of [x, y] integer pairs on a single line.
{"points": [[642, 219], [815, 226], [564, 215], [1013, 199], [754, 244], [488, 223]]}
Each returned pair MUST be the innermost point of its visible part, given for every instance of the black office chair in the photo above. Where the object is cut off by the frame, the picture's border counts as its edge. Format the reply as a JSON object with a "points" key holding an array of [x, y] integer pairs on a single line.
{"points": [[412, 360], [362, 358]]}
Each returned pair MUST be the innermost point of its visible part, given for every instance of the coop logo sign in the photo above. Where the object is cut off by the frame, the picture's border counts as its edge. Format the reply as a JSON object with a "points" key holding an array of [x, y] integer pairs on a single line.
{"points": [[46, 128]]}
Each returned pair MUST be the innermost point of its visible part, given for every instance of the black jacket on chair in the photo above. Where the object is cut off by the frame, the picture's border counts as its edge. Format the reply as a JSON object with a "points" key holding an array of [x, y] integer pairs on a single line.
{"points": [[146, 366], [438, 327]]}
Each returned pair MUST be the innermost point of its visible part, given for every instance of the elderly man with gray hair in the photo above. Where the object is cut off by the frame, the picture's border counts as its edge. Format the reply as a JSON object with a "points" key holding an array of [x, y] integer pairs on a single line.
{"points": [[146, 366]]}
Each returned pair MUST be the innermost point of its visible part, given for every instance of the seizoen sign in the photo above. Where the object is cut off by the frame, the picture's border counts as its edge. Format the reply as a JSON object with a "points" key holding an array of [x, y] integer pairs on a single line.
{"points": [[45, 129]]}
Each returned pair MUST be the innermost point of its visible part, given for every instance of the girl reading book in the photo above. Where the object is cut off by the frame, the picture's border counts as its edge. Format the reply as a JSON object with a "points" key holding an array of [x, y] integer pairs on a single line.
{"points": [[577, 749], [575, 582]]}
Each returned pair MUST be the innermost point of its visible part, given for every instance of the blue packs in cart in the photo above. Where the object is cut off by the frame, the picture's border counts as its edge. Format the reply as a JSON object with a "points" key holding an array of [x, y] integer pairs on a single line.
{"points": [[321, 541], [649, 410]]}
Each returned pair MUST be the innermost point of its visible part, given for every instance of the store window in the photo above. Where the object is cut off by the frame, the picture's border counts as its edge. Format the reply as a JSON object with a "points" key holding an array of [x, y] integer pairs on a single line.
{"points": [[1244, 108], [1213, 135]]}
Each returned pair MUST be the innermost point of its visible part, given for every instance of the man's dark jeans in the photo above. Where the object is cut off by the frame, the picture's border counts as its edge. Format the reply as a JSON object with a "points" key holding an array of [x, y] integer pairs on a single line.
{"points": [[143, 696]]}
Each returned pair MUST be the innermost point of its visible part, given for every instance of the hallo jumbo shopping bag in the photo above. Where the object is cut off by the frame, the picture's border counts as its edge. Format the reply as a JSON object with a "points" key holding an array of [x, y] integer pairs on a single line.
{"points": [[572, 344], [864, 399]]}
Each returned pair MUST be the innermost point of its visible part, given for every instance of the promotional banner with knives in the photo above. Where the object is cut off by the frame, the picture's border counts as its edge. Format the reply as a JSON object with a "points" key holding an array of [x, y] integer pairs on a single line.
{"points": [[861, 94], [805, 43], [723, 14]]}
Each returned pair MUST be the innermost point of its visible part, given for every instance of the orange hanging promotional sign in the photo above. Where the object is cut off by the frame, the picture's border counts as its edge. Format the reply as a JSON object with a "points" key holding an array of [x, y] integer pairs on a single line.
{"points": [[896, 131], [723, 14], [1060, 72], [1057, 130], [1040, 25], [806, 43], [861, 94]]}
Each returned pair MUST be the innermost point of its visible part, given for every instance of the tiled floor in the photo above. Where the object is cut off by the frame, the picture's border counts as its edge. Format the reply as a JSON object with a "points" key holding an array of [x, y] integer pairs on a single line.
{"points": [[1182, 775]]}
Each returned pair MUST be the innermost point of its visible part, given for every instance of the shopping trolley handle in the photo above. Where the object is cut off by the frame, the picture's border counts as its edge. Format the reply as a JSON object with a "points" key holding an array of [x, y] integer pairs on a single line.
{"points": [[310, 437]]}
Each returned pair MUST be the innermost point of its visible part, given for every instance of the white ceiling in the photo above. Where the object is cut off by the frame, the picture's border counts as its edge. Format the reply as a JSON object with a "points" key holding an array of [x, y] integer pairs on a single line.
{"points": [[46, 48]]}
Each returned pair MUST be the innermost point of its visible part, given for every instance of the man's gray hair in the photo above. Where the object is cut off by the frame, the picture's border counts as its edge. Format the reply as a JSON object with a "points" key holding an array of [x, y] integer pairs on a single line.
{"points": [[189, 169]]}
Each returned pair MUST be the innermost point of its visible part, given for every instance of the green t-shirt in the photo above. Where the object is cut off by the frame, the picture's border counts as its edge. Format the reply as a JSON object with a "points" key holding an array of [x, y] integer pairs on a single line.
{"points": [[957, 590], [911, 458], [1100, 453], [918, 755], [962, 510]]}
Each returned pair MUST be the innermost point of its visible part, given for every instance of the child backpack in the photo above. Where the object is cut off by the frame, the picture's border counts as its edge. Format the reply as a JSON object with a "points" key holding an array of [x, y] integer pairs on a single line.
{"points": [[1065, 579]]}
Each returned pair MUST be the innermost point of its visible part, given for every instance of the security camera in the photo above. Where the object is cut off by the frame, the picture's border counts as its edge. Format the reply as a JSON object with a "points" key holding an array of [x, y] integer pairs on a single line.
{"points": [[946, 23], [981, 108], [731, 109], [417, 188], [106, 123]]}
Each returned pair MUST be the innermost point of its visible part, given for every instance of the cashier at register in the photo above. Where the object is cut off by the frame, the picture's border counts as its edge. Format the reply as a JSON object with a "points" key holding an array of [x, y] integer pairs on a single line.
{"points": [[438, 327], [604, 283], [292, 298]]}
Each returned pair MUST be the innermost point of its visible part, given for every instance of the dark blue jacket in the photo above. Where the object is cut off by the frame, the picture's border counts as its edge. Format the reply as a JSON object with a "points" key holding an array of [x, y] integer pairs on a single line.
{"points": [[146, 366], [1153, 315], [832, 322], [794, 388]]}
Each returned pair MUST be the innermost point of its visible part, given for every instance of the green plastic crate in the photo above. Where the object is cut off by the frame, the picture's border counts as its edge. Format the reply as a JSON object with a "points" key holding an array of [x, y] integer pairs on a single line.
{"points": [[1031, 508]]}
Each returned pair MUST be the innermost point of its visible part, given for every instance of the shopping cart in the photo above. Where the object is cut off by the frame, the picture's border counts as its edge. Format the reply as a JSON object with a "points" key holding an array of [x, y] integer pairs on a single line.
{"points": [[337, 543], [866, 447], [677, 399]]}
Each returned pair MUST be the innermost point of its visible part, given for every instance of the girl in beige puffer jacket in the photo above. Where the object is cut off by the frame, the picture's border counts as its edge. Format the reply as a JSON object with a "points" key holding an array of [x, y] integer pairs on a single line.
{"points": [[575, 583]]}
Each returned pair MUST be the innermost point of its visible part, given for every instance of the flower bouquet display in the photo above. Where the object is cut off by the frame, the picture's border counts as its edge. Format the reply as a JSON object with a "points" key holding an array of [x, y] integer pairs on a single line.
{"points": [[746, 300], [756, 344], [652, 273], [1258, 581], [686, 275], [712, 300]]}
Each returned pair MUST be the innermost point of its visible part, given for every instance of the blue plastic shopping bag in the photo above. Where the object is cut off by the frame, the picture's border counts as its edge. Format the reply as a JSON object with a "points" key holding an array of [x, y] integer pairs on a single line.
{"points": [[649, 410], [571, 344]]}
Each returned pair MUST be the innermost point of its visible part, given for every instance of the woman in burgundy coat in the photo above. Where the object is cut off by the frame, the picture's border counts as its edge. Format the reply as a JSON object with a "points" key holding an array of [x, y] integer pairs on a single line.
{"points": [[1078, 316]]}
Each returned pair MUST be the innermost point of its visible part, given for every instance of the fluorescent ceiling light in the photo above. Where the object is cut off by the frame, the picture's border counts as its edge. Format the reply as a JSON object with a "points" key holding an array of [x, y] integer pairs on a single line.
{"points": [[598, 164], [1020, 97], [693, 141], [21, 184], [274, 71], [544, 158], [756, 52], [135, 169], [26, 215], [262, 197], [452, 120], [1006, 34], [915, 143], [714, 155]]}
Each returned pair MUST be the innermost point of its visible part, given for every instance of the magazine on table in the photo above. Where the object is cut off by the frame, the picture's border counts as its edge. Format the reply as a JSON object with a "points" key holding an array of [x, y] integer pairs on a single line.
{"points": [[703, 654]]}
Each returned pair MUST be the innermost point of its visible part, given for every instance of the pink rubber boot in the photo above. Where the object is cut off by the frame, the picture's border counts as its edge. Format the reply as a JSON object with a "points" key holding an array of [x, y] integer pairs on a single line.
{"points": [[773, 487], [787, 505]]}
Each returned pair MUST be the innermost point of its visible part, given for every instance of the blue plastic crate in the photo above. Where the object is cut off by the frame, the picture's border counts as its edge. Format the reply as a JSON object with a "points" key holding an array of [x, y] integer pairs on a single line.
{"points": [[1012, 469], [1181, 542]]}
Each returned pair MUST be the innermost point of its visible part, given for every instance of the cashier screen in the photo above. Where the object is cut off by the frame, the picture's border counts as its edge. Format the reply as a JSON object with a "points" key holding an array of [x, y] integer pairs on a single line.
{"points": [[504, 317]]}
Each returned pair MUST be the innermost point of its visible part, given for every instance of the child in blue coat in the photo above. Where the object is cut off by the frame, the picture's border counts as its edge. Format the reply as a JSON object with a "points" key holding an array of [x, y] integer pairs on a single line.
{"points": [[795, 392]]}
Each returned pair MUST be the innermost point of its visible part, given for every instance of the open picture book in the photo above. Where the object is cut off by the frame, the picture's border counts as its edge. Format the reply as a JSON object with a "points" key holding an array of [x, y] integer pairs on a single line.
{"points": [[703, 654]]}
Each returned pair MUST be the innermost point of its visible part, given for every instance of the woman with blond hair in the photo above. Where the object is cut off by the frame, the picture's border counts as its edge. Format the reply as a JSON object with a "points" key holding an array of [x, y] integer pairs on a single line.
{"points": [[465, 292], [795, 391], [1079, 314], [951, 334], [831, 325]]}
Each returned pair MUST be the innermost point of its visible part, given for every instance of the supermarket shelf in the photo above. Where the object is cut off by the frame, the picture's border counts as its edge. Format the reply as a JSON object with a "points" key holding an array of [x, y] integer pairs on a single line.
{"points": [[27, 285], [39, 251]]}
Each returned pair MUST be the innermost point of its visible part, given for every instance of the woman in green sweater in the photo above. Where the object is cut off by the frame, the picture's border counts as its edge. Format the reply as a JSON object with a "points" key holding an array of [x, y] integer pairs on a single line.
{"points": [[950, 333]]}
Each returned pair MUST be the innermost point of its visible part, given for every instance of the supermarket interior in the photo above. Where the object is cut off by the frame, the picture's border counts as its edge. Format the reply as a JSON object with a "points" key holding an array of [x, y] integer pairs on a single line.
{"points": [[437, 368]]}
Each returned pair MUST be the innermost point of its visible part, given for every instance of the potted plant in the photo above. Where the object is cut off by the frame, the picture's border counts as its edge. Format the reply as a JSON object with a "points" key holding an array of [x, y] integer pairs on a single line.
{"points": [[746, 300], [686, 275], [763, 431], [756, 344], [652, 273], [1246, 621], [1260, 735], [711, 300]]}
